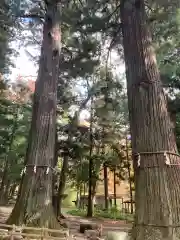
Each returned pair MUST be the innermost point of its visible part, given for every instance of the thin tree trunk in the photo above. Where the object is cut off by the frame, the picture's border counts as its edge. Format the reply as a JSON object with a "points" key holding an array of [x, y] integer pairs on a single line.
{"points": [[63, 177], [94, 190], [106, 198], [84, 190], [114, 173], [129, 175], [12, 190], [62, 184], [130, 187], [81, 203], [157, 196], [90, 200], [34, 203], [173, 121], [105, 170], [95, 174], [77, 198], [82, 193], [7, 189]]}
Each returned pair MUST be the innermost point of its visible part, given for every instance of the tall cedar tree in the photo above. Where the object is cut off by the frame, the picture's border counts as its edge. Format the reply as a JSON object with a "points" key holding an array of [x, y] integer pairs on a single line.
{"points": [[34, 203], [157, 213]]}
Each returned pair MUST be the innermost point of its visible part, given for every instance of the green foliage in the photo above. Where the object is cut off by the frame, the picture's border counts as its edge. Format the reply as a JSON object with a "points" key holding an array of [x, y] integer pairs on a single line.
{"points": [[14, 128], [87, 27], [114, 214], [109, 106], [6, 36], [177, 130]]}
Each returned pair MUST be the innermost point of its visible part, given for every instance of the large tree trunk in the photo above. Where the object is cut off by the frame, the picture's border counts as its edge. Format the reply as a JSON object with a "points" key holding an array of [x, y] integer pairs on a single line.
{"points": [[157, 213], [34, 203]]}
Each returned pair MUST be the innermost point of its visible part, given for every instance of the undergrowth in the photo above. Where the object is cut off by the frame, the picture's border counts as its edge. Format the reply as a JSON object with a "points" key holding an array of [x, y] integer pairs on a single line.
{"points": [[114, 214]]}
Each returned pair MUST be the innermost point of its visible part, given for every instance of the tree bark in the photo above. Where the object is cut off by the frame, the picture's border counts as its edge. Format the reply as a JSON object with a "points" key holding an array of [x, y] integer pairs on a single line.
{"points": [[157, 211], [34, 203], [54, 180]]}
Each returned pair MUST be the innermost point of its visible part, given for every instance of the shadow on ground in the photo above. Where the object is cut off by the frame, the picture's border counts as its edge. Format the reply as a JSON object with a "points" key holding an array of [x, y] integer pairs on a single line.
{"points": [[75, 221]]}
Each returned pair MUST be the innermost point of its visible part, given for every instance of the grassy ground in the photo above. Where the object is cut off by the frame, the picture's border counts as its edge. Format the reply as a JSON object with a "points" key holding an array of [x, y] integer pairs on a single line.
{"points": [[113, 214]]}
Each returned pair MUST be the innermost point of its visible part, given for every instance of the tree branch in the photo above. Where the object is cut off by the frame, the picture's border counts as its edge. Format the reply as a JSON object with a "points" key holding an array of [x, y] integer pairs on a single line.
{"points": [[31, 16]]}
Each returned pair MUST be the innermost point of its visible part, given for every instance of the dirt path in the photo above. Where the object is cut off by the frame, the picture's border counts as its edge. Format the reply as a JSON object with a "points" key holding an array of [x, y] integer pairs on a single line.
{"points": [[108, 225], [4, 213], [75, 221]]}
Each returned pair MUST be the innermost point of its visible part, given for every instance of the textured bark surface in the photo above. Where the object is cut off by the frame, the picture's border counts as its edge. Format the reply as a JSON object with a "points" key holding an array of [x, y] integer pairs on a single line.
{"points": [[157, 213], [55, 177], [34, 203]]}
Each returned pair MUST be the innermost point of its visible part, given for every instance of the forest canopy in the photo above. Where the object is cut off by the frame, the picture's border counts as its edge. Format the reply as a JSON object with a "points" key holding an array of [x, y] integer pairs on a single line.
{"points": [[98, 129]]}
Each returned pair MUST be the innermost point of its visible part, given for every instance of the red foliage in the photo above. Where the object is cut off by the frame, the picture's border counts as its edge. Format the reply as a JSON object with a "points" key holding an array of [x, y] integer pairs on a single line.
{"points": [[31, 85]]}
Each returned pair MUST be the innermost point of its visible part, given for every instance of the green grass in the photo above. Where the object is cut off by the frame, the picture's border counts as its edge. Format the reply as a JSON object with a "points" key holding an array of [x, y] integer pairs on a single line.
{"points": [[114, 214]]}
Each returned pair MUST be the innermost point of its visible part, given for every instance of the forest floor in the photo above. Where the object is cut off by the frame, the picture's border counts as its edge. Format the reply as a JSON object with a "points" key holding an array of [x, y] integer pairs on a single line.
{"points": [[75, 221]]}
